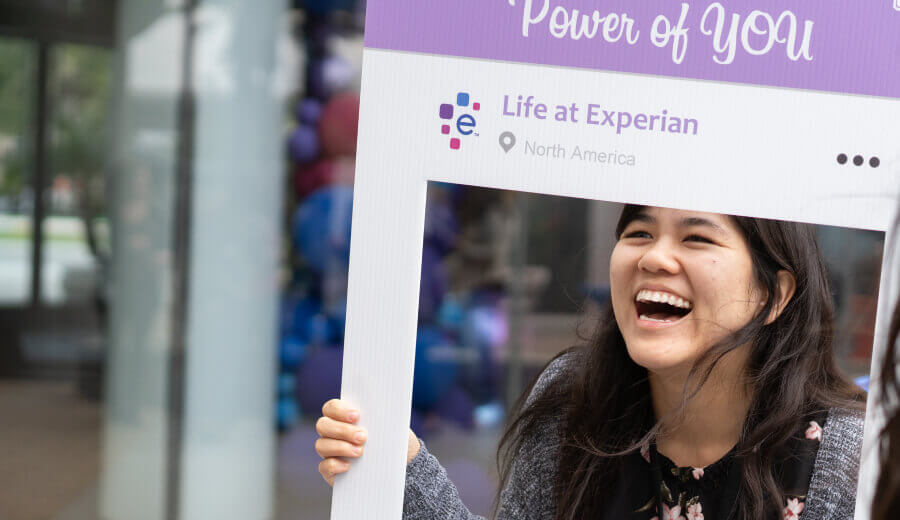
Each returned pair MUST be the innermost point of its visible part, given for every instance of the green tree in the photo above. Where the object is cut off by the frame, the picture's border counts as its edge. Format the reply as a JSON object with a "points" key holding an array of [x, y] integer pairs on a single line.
{"points": [[80, 99], [16, 73]]}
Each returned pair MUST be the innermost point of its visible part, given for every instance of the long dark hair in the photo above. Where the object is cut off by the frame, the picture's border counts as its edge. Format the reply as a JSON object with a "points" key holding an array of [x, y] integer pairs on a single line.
{"points": [[605, 405], [886, 501]]}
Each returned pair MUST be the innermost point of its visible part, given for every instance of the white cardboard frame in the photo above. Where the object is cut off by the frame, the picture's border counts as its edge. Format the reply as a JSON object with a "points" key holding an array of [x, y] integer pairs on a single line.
{"points": [[760, 151]]}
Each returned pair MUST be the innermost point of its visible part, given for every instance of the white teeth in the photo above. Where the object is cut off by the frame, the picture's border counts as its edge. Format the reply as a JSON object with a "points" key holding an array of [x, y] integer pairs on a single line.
{"points": [[648, 318], [662, 297]]}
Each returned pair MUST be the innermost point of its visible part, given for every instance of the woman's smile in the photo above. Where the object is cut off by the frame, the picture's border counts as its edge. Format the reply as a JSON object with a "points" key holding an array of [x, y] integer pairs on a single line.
{"points": [[658, 307]]}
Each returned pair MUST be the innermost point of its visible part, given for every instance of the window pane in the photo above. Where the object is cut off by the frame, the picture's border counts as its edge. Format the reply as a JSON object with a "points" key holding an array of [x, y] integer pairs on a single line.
{"points": [[75, 230], [17, 87]]}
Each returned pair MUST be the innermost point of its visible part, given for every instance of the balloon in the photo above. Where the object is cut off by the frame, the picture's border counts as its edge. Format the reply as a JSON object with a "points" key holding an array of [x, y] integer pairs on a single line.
{"points": [[451, 314], [319, 378], [489, 415], [337, 74], [485, 329], [440, 226], [337, 317], [303, 323], [330, 76], [320, 330], [309, 111], [433, 283], [435, 368], [287, 413], [308, 178], [287, 383], [303, 144], [292, 351], [321, 228], [486, 326], [339, 125]]}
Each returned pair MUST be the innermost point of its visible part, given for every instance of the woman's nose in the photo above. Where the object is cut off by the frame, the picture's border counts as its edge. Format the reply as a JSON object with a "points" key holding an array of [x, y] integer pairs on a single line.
{"points": [[660, 257]]}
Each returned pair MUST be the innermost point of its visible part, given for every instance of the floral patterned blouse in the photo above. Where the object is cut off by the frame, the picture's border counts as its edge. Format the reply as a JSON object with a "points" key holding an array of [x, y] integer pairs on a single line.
{"points": [[654, 488]]}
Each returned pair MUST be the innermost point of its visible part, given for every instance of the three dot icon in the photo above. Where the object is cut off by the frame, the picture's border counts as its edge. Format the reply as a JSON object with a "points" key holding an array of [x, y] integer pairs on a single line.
{"points": [[859, 160]]}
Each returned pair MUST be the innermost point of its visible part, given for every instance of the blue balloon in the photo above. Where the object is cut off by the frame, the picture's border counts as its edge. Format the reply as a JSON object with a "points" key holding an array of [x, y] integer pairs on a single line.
{"points": [[292, 352], [435, 368], [287, 413], [303, 320], [337, 318], [433, 283], [451, 314], [296, 309], [304, 144], [489, 415], [320, 330], [441, 227], [287, 383], [321, 228]]}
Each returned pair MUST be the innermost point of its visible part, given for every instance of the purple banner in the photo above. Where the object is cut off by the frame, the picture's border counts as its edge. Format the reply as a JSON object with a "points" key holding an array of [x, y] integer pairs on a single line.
{"points": [[838, 46]]}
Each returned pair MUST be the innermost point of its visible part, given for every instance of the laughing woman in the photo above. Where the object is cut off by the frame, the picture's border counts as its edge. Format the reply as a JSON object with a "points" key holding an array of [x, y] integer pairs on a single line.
{"points": [[709, 390]]}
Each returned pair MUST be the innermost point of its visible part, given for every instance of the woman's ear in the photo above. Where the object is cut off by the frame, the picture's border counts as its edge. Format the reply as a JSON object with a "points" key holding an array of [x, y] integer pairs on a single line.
{"points": [[786, 287]]}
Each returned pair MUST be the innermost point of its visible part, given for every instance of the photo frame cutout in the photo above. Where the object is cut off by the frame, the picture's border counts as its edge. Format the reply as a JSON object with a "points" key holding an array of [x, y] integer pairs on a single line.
{"points": [[497, 213], [777, 148]]}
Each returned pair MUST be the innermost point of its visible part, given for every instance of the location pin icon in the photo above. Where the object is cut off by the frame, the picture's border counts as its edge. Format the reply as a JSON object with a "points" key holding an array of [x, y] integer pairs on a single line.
{"points": [[507, 141]]}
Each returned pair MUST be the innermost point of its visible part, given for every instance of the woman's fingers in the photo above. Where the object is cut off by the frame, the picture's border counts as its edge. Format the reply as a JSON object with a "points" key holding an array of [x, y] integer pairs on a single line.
{"points": [[340, 411], [330, 467], [334, 448], [331, 429], [340, 438]]}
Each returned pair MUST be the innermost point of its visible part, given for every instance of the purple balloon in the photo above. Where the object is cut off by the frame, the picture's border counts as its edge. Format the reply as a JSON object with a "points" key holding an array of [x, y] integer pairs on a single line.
{"points": [[304, 144], [337, 73], [319, 378], [309, 111], [329, 76]]}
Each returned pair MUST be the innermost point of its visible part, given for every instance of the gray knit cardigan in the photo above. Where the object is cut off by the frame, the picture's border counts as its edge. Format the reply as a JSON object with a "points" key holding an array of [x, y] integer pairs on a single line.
{"points": [[529, 493]]}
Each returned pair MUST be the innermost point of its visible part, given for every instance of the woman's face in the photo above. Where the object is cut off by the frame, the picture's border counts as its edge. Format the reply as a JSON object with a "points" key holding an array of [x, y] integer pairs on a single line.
{"points": [[680, 281]]}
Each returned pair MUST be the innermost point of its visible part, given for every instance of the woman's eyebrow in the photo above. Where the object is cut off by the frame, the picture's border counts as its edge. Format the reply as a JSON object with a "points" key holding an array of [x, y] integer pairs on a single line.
{"points": [[643, 217], [699, 221]]}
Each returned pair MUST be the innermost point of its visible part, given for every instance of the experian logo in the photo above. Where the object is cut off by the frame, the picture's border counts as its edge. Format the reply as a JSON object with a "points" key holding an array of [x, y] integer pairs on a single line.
{"points": [[464, 122]]}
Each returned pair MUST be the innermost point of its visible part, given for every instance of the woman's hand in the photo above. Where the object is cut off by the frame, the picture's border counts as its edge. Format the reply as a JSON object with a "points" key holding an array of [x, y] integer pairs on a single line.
{"points": [[341, 440]]}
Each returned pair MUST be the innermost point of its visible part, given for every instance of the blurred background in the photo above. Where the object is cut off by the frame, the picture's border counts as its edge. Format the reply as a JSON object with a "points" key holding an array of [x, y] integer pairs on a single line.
{"points": [[175, 198]]}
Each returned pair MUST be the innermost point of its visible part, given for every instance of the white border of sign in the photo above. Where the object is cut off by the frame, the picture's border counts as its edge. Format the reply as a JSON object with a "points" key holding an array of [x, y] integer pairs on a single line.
{"points": [[760, 151]]}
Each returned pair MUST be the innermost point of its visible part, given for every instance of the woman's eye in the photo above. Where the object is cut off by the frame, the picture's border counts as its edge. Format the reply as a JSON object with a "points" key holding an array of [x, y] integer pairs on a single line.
{"points": [[636, 234], [698, 238]]}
